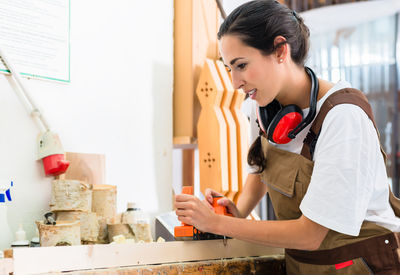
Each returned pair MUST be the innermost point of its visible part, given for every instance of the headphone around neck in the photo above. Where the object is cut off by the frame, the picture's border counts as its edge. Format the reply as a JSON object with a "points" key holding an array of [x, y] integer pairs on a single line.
{"points": [[281, 124]]}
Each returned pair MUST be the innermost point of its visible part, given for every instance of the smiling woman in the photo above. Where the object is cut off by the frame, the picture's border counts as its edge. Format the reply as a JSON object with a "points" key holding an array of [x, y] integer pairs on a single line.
{"points": [[328, 183]]}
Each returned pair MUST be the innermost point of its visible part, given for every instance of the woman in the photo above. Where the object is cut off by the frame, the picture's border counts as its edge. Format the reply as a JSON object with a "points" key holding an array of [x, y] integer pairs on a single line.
{"points": [[330, 193]]}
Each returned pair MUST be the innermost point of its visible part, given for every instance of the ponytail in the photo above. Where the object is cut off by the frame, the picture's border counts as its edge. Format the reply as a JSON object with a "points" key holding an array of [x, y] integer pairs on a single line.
{"points": [[256, 157]]}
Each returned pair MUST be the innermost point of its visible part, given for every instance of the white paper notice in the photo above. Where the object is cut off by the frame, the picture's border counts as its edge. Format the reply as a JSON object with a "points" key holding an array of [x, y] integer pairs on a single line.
{"points": [[35, 36]]}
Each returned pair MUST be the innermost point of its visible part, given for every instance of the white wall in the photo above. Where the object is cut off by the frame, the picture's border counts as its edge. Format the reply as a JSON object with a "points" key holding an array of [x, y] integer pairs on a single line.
{"points": [[119, 103]]}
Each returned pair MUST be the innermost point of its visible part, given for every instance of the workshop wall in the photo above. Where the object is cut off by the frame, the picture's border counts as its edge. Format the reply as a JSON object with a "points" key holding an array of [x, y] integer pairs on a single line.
{"points": [[119, 103]]}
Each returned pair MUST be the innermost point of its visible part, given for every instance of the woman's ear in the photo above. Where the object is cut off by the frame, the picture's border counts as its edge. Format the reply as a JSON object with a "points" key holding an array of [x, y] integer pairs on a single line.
{"points": [[281, 48]]}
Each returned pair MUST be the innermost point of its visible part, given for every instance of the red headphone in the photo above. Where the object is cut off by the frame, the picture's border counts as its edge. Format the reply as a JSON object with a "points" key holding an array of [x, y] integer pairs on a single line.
{"points": [[282, 124]]}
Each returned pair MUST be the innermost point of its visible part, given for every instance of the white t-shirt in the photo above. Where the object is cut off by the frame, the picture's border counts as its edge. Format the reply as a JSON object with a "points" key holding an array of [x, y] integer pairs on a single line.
{"points": [[349, 183]]}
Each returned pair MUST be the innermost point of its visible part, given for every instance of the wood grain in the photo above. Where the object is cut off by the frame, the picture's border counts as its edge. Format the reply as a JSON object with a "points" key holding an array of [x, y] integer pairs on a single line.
{"points": [[231, 130], [196, 25], [85, 167], [242, 134], [212, 132], [68, 258]]}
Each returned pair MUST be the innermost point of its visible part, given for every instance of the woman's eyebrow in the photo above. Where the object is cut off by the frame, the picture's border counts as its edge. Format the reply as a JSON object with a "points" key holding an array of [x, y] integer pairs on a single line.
{"points": [[233, 61]]}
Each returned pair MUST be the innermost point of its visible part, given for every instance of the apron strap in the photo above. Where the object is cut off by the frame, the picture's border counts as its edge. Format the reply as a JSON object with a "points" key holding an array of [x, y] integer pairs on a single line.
{"points": [[381, 245], [343, 96]]}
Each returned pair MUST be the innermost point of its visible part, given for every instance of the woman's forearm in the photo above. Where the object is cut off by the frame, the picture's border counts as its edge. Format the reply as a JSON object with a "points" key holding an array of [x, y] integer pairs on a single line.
{"points": [[301, 233], [252, 193]]}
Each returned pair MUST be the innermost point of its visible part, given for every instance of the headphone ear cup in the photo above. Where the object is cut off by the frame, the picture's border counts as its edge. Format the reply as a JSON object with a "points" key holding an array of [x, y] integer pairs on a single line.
{"points": [[265, 114], [283, 123]]}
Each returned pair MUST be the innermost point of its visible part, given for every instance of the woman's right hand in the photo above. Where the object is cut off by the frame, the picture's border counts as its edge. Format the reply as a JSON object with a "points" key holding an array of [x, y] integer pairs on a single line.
{"points": [[230, 205]]}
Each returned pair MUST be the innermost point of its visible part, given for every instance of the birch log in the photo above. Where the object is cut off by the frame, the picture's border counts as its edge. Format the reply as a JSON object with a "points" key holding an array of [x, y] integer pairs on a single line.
{"points": [[70, 195], [142, 232], [89, 223], [61, 234], [103, 234], [119, 229], [104, 200]]}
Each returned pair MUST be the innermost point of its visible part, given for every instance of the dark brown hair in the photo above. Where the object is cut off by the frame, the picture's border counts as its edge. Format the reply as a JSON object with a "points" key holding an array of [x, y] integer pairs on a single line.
{"points": [[257, 24]]}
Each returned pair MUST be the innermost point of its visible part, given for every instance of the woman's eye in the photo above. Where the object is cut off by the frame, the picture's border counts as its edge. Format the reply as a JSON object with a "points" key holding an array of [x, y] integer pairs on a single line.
{"points": [[242, 66]]}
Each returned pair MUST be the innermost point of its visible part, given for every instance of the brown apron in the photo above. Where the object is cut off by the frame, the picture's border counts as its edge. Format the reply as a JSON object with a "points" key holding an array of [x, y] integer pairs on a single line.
{"points": [[287, 176]]}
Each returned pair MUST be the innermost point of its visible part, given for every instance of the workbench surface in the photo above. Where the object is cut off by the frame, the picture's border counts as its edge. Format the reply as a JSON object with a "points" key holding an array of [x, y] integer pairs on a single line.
{"points": [[262, 265]]}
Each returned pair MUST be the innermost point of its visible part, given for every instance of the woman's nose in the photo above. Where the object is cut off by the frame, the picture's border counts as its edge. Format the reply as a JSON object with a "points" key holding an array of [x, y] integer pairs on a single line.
{"points": [[237, 82]]}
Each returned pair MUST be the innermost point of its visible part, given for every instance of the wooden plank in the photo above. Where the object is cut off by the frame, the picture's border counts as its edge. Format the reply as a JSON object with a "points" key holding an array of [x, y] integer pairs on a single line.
{"points": [[242, 133], [266, 265], [85, 167], [68, 258], [188, 167], [195, 38], [184, 140], [6, 266], [205, 43], [212, 132], [231, 129], [183, 69]]}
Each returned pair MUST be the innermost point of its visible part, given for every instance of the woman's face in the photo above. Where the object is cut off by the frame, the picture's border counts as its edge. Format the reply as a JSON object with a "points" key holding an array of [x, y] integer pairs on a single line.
{"points": [[255, 73]]}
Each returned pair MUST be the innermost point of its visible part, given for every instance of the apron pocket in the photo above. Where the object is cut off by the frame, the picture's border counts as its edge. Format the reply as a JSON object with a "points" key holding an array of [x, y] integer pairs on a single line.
{"points": [[285, 192], [281, 179]]}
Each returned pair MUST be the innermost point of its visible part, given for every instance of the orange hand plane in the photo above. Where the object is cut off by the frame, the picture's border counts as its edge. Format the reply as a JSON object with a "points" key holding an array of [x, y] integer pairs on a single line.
{"points": [[189, 232]]}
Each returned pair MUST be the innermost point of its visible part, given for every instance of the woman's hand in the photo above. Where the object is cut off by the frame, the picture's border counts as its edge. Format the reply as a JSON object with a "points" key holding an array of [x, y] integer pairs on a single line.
{"points": [[230, 206], [191, 210]]}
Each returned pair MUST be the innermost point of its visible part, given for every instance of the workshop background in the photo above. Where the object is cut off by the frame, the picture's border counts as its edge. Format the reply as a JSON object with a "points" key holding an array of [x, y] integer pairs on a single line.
{"points": [[119, 101]]}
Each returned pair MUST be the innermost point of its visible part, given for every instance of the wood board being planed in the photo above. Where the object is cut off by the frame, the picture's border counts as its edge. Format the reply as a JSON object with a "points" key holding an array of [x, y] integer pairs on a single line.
{"points": [[263, 265], [68, 258], [85, 167]]}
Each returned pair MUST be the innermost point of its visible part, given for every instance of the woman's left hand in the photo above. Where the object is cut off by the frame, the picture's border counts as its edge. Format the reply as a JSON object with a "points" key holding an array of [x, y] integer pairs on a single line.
{"points": [[191, 210]]}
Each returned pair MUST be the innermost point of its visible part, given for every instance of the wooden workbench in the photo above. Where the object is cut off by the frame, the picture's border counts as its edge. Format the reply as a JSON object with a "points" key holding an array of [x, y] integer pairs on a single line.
{"points": [[262, 265], [178, 257]]}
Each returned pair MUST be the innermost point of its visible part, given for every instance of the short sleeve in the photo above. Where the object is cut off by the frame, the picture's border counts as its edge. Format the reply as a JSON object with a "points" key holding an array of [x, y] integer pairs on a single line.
{"points": [[342, 180]]}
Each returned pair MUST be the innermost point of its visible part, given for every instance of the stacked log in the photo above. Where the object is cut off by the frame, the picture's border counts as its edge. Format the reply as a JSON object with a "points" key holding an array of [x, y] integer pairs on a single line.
{"points": [[138, 223], [104, 204], [63, 233], [70, 195], [104, 201], [89, 224], [71, 200], [120, 229]]}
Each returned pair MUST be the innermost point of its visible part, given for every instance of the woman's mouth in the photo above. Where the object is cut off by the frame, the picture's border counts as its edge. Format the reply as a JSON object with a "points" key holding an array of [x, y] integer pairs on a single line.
{"points": [[252, 93]]}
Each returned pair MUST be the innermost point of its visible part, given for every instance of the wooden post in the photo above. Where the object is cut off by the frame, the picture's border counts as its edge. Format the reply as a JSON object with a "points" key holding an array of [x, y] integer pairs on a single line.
{"points": [[188, 167]]}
